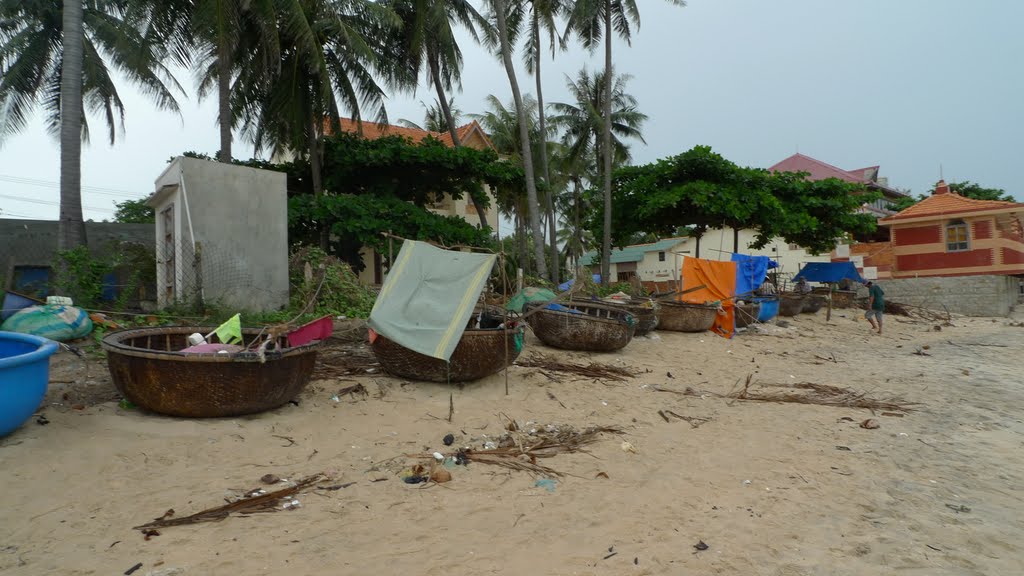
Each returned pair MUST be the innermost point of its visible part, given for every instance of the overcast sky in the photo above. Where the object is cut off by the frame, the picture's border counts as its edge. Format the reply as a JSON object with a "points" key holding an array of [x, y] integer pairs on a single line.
{"points": [[907, 84]]}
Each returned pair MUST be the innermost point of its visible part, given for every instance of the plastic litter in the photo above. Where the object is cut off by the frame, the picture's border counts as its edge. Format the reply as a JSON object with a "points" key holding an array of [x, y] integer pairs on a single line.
{"points": [[546, 483]]}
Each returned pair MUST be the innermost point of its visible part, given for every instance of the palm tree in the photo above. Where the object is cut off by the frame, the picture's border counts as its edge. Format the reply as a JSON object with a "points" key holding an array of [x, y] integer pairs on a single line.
{"points": [[543, 14], [425, 43], [434, 119], [582, 122], [501, 17], [42, 38], [325, 65], [592, 19], [214, 37]]}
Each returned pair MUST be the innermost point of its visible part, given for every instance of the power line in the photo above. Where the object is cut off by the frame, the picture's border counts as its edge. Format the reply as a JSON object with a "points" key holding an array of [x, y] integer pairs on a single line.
{"points": [[51, 184], [52, 203]]}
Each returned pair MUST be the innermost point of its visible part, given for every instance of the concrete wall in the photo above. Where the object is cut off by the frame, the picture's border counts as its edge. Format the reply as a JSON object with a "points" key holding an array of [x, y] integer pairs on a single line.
{"points": [[239, 217], [968, 295]]}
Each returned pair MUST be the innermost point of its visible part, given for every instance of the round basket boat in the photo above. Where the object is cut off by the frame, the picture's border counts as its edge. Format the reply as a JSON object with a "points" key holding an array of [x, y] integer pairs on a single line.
{"points": [[148, 370], [479, 353], [791, 304], [746, 314], [685, 317], [646, 315], [813, 303], [588, 327]]}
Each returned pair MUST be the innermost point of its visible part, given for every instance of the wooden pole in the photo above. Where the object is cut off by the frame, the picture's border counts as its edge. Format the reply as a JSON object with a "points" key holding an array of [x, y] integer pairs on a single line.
{"points": [[828, 314]]}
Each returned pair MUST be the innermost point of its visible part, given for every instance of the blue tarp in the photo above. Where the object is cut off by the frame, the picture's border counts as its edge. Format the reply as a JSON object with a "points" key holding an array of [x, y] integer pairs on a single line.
{"points": [[829, 272], [566, 285], [751, 272]]}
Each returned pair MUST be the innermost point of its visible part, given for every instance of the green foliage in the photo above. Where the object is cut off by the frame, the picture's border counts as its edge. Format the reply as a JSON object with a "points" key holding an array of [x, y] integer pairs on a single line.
{"points": [[358, 221], [134, 212], [340, 294], [702, 189], [80, 276], [969, 189], [393, 166]]}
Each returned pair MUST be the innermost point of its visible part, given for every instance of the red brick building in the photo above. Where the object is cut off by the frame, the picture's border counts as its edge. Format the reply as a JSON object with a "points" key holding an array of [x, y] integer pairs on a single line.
{"points": [[949, 235]]}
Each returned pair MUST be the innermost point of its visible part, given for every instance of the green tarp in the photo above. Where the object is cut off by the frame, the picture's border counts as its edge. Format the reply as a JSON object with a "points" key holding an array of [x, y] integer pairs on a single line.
{"points": [[429, 296], [527, 295]]}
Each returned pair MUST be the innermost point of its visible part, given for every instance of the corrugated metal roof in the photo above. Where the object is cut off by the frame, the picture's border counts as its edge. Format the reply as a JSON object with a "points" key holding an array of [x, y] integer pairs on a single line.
{"points": [[633, 253]]}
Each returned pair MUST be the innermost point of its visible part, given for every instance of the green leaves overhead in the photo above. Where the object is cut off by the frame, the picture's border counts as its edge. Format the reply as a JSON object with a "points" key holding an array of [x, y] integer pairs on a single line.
{"points": [[701, 188]]}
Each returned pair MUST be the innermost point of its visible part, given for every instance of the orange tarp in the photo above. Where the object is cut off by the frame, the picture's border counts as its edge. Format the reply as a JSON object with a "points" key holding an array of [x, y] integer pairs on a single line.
{"points": [[719, 280]]}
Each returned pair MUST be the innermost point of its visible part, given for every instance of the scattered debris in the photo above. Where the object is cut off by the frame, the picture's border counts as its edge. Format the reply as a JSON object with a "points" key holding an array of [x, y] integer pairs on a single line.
{"points": [[870, 424], [610, 555], [520, 449], [934, 548], [627, 447], [845, 419], [958, 508], [602, 475], [921, 352], [896, 414], [701, 546], [132, 570], [811, 393], [269, 479], [694, 421], [546, 483], [552, 396], [594, 370], [448, 439], [439, 475], [291, 441], [42, 420], [265, 502], [353, 390], [150, 533], [662, 414], [335, 486], [843, 448]]}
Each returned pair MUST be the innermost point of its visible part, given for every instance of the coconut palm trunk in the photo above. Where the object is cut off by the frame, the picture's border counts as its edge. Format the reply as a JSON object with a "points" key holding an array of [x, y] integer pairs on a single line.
{"points": [[71, 229], [606, 138], [224, 100], [446, 109], [544, 153], [524, 135]]}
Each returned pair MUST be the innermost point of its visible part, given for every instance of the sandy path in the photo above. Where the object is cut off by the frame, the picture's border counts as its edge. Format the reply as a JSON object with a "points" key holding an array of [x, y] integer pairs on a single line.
{"points": [[77, 485]]}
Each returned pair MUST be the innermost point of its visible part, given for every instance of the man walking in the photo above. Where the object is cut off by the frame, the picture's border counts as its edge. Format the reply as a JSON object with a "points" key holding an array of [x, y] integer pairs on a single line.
{"points": [[876, 305]]}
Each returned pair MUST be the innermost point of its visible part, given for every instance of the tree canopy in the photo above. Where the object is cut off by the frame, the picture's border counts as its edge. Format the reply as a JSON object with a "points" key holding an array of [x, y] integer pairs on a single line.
{"points": [[702, 189]]}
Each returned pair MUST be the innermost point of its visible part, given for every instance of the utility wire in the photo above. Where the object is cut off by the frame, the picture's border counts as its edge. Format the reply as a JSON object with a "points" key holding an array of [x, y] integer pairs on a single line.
{"points": [[51, 184]]}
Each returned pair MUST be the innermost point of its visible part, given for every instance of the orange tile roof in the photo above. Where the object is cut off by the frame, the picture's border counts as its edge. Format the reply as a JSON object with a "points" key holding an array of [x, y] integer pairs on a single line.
{"points": [[948, 204], [374, 130]]}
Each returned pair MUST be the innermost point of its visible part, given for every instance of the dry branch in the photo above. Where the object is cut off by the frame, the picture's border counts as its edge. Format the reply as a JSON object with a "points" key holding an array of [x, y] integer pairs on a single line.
{"points": [[263, 503], [811, 393], [593, 370]]}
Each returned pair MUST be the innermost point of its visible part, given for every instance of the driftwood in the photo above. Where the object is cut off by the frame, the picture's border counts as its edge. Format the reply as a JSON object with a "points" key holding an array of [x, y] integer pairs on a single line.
{"points": [[267, 502], [811, 393], [337, 359], [593, 370]]}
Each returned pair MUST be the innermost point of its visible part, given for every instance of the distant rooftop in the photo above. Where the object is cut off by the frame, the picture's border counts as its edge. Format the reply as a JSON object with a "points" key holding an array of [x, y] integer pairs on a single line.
{"points": [[633, 253], [374, 130], [819, 170]]}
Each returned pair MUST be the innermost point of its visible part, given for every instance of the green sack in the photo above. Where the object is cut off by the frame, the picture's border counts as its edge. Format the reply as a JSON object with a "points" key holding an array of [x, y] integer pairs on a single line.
{"points": [[51, 321], [529, 295]]}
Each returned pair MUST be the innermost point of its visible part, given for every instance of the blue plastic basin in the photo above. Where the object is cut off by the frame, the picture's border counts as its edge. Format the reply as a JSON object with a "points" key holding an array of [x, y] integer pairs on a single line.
{"points": [[24, 375], [769, 308]]}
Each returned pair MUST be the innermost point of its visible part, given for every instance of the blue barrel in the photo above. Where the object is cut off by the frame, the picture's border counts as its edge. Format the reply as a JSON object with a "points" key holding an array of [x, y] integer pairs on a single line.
{"points": [[769, 308], [14, 302]]}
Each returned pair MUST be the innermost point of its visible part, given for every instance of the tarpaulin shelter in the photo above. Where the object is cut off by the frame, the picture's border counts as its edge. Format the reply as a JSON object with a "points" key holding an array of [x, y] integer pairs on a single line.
{"points": [[568, 284], [827, 272], [751, 272], [719, 281], [428, 297]]}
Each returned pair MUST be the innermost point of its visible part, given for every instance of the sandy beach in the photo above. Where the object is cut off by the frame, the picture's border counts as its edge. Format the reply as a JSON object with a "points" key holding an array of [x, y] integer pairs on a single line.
{"points": [[770, 488]]}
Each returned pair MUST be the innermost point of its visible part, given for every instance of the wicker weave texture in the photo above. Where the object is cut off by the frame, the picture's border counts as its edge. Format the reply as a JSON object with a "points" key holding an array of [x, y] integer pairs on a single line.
{"points": [[682, 317], [646, 316], [814, 303], [146, 367], [747, 314], [598, 329], [791, 304], [479, 354]]}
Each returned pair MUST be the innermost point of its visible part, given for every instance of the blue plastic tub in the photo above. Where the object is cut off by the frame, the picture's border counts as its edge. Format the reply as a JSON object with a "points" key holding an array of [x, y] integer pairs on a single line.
{"points": [[24, 374], [769, 308]]}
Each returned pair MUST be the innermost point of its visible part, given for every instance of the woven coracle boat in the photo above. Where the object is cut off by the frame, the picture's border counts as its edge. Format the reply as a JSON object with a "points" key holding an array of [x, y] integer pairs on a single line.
{"points": [[479, 353], [645, 313], [746, 314], [813, 303], [589, 327], [148, 369], [791, 304], [686, 317]]}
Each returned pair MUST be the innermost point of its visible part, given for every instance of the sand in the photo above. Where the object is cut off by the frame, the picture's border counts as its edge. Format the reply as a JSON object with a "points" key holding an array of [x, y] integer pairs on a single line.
{"points": [[762, 484]]}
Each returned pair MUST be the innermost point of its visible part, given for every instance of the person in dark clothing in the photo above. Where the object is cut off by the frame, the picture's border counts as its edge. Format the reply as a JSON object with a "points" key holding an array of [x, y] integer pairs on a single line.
{"points": [[876, 305]]}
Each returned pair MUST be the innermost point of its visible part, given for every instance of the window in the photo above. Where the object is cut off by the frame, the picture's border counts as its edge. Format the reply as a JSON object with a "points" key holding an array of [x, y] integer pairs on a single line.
{"points": [[625, 276], [661, 256], [956, 236]]}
